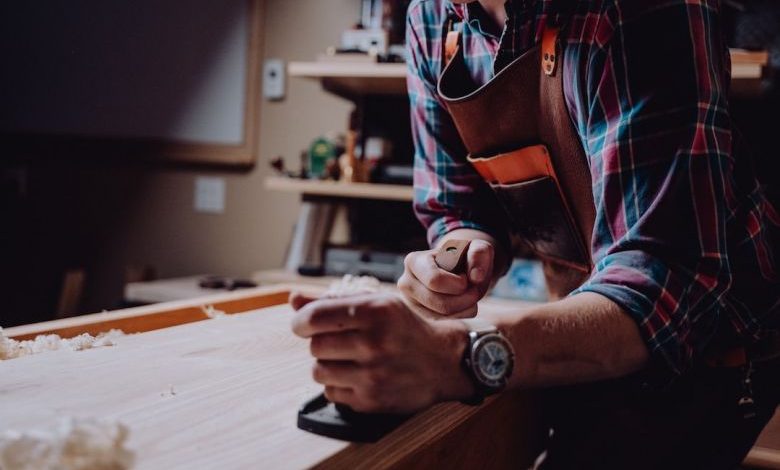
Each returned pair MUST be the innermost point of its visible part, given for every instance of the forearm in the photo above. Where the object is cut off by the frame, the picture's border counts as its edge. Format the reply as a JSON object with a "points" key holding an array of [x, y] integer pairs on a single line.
{"points": [[582, 338]]}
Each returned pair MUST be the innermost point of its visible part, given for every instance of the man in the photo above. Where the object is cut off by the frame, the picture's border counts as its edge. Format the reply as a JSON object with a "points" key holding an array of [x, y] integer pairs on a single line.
{"points": [[683, 279]]}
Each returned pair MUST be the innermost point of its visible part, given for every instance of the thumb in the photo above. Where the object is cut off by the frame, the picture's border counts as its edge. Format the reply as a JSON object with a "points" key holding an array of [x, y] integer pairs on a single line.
{"points": [[480, 261]]}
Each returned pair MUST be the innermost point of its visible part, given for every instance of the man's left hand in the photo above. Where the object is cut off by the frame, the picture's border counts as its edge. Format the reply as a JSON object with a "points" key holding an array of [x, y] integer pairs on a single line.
{"points": [[374, 355]]}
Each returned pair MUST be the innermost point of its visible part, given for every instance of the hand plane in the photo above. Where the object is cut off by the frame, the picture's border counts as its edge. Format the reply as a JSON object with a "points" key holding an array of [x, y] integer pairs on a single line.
{"points": [[338, 421]]}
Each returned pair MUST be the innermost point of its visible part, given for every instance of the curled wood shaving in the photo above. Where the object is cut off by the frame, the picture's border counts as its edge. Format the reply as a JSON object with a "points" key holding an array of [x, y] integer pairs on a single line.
{"points": [[12, 349], [76, 444]]}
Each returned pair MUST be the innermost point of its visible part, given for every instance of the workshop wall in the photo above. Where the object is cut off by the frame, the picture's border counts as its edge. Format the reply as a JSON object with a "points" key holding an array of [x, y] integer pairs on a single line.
{"points": [[104, 217]]}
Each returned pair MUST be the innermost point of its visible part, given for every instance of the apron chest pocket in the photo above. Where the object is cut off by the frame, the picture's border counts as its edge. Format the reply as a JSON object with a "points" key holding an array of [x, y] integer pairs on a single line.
{"points": [[525, 184]]}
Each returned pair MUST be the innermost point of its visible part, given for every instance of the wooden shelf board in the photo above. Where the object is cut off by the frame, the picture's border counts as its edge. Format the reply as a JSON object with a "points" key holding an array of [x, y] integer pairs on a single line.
{"points": [[351, 80], [389, 192], [346, 70], [748, 65], [742, 56]]}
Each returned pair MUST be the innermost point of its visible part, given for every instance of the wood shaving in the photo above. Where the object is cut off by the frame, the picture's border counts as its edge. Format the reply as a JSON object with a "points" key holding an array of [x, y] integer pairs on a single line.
{"points": [[12, 349], [76, 444], [212, 312], [353, 285]]}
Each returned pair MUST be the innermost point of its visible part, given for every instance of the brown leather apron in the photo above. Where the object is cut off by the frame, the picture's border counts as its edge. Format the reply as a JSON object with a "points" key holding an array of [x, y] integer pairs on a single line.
{"points": [[521, 140]]}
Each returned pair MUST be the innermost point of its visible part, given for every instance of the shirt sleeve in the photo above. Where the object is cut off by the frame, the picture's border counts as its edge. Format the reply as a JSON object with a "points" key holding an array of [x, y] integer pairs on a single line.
{"points": [[658, 134], [448, 193]]}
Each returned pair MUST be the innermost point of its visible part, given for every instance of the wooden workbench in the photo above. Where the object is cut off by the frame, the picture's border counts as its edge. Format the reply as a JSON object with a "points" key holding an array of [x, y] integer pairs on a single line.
{"points": [[224, 392]]}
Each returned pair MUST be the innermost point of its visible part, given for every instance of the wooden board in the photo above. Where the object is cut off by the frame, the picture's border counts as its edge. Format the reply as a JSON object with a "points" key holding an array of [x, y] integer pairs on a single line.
{"points": [[224, 393], [153, 317], [338, 189], [353, 80]]}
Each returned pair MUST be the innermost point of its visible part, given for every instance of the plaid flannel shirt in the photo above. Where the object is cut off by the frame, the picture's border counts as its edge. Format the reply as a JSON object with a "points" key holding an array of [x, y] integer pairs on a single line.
{"points": [[684, 236]]}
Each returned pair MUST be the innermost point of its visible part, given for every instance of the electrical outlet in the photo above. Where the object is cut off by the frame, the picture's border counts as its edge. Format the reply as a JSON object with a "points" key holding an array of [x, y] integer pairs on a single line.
{"points": [[210, 195], [273, 79]]}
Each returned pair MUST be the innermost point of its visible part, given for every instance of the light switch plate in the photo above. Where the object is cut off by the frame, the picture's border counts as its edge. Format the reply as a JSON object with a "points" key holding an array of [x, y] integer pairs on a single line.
{"points": [[273, 79], [210, 194]]}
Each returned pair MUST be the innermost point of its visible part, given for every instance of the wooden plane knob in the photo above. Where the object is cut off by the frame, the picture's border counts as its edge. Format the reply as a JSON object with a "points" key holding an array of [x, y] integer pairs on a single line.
{"points": [[451, 256]]}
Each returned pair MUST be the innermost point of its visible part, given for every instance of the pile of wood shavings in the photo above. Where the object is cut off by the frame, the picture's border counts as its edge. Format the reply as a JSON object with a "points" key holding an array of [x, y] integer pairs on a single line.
{"points": [[76, 444], [12, 349], [353, 285]]}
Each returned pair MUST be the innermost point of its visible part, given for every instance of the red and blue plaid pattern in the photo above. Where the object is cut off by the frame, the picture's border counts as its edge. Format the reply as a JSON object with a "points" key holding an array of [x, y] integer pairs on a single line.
{"points": [[684, 235]]}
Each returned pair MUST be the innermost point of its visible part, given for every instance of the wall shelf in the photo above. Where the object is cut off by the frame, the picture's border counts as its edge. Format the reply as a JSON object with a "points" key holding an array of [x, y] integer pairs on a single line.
{"points": [[336, 189], [354, 80], [748, 64]]}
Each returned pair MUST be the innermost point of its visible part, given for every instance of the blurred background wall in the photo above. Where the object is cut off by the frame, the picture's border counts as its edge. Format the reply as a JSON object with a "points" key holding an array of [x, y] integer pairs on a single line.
{"points": [[58, 214]]}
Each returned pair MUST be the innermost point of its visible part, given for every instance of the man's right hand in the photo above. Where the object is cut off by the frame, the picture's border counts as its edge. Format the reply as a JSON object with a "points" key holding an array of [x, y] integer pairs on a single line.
{"points": [[434, 292]]}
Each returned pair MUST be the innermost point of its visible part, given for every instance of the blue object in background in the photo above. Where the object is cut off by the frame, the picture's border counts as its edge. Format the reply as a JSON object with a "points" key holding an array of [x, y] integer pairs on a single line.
{"points": [[523, 281]]}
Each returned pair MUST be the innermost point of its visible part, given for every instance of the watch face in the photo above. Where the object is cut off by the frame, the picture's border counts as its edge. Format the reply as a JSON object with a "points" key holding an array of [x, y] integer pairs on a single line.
{"points": [[493, 360]]}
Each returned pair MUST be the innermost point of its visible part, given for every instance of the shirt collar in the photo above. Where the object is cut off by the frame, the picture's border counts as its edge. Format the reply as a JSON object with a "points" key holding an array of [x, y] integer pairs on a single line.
{"points": [[479, 20], [473, 14]]}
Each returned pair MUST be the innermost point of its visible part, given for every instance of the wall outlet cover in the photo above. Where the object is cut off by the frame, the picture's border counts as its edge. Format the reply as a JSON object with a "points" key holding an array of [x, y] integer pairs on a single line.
{"points": [[210, 194], [273, 79]]}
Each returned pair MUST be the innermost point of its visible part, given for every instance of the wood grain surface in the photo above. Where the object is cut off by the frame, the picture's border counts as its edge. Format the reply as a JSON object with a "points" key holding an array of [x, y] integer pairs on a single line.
{"points": [[224, 393]]}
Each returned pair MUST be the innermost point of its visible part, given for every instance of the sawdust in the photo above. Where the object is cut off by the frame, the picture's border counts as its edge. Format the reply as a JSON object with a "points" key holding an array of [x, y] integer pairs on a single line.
{"points": [[12, 349], [353, 285], [76, 444]]}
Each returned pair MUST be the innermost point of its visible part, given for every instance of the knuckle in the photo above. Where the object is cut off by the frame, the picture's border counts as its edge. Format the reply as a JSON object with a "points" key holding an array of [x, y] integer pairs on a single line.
{"points": [[483, 248], [375, 379], [369, 349], [409, 260], [330, 393], [315, 346], [317, 373], [300, 323], [404, 283], [372, 391]]}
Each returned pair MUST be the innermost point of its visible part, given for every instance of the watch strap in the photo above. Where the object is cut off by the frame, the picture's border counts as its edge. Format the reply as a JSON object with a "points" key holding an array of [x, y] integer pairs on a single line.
{"points": [[477, 328]]}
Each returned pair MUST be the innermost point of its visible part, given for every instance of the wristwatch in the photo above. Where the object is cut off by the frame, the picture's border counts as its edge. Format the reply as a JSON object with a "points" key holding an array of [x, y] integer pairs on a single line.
{"points": [[488, 359]]}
